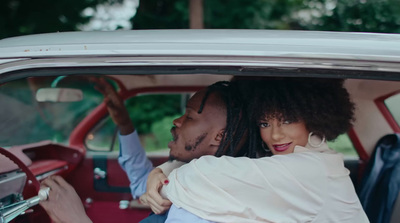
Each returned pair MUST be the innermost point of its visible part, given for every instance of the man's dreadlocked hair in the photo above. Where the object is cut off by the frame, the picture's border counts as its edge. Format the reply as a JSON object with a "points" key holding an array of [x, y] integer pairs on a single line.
{"points": [[246, 86], [235, 138]]}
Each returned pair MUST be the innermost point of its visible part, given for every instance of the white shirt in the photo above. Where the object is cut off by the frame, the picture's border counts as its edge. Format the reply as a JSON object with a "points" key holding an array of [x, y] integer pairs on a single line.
{"points": [[309, 185]]}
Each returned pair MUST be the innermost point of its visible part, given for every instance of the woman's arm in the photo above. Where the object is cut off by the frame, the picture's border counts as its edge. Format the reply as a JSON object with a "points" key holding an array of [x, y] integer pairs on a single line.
{"points": [[155, 181]]}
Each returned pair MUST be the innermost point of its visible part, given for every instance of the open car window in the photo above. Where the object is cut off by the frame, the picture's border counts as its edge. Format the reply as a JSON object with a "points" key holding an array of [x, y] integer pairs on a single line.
{"points": [[152, 116]]}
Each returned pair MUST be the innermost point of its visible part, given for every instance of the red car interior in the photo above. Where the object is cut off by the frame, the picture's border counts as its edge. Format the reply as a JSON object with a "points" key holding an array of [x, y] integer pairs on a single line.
{"points": [[103, 195]]}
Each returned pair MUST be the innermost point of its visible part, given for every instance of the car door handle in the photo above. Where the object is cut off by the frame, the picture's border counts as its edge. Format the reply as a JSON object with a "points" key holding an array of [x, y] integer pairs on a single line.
{"points": [[100, 177], [99, 173]]}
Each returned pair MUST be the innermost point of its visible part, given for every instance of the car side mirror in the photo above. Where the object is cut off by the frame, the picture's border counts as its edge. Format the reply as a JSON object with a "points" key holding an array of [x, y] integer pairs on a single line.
{"points": [[59, 95]]}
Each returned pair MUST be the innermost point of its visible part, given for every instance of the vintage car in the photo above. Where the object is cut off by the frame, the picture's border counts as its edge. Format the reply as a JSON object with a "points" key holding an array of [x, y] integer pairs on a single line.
{"points": [[69, 132]]}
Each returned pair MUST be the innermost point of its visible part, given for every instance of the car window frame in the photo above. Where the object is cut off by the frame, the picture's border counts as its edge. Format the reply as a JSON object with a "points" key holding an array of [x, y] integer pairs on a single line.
{"points": [[380, 103]]}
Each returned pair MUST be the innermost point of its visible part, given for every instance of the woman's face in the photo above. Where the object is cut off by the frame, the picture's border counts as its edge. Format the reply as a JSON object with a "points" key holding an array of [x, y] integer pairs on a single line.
{"points": [[282, 136]]}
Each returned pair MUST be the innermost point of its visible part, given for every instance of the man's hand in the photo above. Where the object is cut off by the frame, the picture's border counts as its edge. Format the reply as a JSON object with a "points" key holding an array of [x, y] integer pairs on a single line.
{"points": [[152, 197], [63, 203], [115, 106]]}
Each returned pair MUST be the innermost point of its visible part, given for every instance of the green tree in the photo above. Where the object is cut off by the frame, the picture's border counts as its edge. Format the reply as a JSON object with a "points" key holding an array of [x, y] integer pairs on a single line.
{"points": [[162, 14], [147, 109], [354, 15], [223, 14], [333, 15], [22, 17], [161, 135], [256, 14]]}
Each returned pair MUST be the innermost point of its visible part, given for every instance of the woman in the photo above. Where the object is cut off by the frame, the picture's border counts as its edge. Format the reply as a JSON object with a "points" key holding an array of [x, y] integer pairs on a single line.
{"points": [[304, 180]]}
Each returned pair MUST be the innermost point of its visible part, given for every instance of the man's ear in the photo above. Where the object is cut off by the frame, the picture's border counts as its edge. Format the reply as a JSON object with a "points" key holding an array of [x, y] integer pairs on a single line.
{"points": [[220, 135], [216, 141]]}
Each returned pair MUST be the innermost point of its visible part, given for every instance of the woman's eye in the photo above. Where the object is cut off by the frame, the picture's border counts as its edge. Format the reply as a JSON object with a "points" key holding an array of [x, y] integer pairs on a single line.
{"points": [[263, 125]]}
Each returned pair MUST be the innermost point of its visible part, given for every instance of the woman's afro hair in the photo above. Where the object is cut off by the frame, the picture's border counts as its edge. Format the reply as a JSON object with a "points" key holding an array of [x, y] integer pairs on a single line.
{"points": [[324, 105]]}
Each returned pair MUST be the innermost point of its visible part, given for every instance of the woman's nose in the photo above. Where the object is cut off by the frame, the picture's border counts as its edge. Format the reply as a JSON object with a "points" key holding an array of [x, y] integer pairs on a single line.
{"points": [[277, 133]]}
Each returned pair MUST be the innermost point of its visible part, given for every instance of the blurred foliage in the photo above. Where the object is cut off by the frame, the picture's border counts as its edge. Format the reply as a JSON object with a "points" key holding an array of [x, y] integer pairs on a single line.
{"points": [[333, 15], [152, 116], [145, 110], [343, 144], [353, 15], [257, 14], [22, 17], [160, 134], [223, 14], [162, 14]]}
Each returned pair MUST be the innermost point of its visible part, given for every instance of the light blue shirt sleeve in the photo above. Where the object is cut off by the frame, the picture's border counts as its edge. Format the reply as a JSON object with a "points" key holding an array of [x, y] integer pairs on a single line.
{"points": [[180, 215], [134, 162]]}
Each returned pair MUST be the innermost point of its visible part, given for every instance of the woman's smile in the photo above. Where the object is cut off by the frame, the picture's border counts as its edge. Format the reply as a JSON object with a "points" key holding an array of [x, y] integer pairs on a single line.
{"points": [[281, 136], [281, 147]]}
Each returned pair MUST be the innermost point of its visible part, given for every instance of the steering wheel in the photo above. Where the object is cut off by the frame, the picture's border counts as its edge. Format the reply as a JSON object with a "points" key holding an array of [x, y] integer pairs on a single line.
{"points": [[31, 189], [32, 185]]}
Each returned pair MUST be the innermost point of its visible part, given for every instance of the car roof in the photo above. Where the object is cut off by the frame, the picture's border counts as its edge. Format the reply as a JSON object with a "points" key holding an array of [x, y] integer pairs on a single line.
{"points": [[361, 55], [280, 43]]}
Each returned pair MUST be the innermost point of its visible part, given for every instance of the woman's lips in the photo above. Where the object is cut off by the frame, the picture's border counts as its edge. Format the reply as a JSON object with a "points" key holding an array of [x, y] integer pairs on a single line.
{"points": [[281, 147]]}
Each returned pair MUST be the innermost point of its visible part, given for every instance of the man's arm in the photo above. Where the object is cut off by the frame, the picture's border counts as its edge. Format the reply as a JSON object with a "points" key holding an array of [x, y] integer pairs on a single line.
{"points": [[63, 204], [115, 106], [132, 156], [134, 162]]}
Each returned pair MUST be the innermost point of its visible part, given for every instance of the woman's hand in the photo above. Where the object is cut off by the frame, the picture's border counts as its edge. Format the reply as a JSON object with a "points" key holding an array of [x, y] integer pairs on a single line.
{"points": [[63, 203], [152, 197]]}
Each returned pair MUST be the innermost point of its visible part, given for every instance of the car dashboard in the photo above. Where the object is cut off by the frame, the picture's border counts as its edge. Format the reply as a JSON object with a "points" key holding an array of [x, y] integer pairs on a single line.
{"points": [[39, 160]]}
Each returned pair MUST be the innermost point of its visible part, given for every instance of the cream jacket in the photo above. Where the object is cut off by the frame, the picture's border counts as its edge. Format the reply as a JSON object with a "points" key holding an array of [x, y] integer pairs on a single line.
{"points": [[309, 185]]}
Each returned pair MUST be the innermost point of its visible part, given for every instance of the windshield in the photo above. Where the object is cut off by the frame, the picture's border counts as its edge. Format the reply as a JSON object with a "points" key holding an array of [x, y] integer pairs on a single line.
{"points": [[24, 120]]}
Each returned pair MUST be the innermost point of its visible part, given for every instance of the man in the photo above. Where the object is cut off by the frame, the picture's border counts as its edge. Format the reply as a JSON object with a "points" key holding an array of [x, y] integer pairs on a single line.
{"points": [[213, 124]]}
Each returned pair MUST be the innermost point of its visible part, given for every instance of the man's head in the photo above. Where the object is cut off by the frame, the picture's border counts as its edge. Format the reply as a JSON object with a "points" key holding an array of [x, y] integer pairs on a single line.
{"points": [[208, 125]]}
